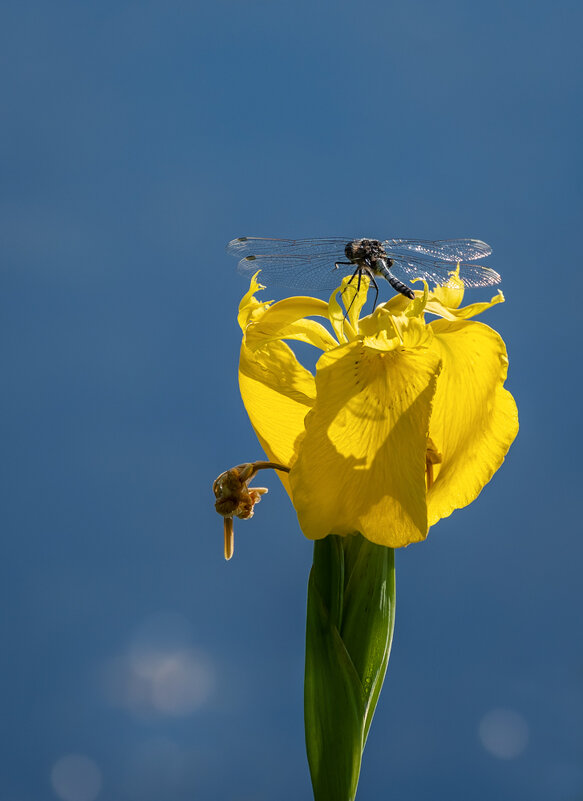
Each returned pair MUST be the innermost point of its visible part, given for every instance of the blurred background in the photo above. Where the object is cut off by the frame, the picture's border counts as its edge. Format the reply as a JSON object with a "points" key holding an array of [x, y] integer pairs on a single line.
{"points": [[136, 139]]}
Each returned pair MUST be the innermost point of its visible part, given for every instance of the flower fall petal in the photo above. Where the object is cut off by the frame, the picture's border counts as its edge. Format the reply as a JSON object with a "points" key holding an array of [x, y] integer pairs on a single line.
{"points": [[361, 464], [474, 418]]}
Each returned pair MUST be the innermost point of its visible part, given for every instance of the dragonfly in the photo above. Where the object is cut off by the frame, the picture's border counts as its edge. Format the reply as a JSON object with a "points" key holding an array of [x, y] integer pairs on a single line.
{"points": [[321, 264]]}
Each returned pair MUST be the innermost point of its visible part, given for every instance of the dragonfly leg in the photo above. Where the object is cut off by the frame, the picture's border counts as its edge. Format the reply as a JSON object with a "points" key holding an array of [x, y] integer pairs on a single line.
{"points": [[376, 286], [359, 271], [348, 264]]}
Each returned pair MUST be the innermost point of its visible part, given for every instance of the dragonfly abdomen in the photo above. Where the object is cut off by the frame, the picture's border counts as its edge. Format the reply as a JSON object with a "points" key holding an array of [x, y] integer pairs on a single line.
{"points": [[382, 267]]}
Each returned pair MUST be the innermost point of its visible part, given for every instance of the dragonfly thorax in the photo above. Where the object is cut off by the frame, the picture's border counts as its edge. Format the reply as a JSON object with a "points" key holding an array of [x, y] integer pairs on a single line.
{"points": [[364, 250]]}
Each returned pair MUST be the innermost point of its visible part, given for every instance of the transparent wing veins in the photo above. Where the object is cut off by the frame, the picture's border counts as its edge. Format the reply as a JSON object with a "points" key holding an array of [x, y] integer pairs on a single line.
{"points": [[452, 250], [263, 246], [310, 263], [298, 271], [435, 272]]}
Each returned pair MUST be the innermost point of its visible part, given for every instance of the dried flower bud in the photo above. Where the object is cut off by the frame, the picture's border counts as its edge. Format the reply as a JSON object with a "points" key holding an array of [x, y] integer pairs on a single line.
{"points": [[234, 498]]}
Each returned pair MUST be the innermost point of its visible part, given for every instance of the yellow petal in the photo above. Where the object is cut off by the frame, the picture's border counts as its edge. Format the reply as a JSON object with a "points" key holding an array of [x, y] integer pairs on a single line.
{"points": [[435, 306], [387, 331], [361, 465], [451, 293], [286, 319], [277, 392], [474, 418], [250, 308], [343, 324], [354, 292]]}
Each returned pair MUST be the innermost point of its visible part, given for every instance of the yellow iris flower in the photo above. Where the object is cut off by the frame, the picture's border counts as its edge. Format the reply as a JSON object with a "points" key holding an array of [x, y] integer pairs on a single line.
{"points": [[404, 420]]}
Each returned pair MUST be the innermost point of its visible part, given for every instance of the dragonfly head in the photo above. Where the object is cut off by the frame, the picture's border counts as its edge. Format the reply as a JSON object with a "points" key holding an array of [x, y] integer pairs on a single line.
{"points": [[349, 250]]}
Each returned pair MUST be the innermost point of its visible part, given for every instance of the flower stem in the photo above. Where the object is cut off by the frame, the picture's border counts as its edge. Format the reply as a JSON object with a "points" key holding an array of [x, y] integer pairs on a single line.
{"points": [[349, 631]]}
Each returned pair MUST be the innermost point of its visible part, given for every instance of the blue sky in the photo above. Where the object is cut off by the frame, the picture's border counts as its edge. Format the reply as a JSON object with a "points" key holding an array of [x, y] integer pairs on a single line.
{"points": [[137, 139]]}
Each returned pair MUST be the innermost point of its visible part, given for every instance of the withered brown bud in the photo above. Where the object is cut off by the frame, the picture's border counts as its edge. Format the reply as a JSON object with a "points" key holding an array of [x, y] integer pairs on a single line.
{"points": [[234, 498]]}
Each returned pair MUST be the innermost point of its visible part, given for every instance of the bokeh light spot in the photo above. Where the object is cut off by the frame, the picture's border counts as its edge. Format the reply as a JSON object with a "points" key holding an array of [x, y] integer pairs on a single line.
{"points": [[76, 778], [504, 733], [160, 672]]}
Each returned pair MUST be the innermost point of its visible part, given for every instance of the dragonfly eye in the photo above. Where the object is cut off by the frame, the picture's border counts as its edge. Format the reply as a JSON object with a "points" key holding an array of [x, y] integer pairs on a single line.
{"points": [[349, 251]]}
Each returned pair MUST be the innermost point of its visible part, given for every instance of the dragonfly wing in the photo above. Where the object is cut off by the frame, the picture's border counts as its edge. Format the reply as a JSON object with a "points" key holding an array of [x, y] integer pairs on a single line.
{"points": [[309, 263], [260, 246], [316, 273], [435, 272], [453, 250]]}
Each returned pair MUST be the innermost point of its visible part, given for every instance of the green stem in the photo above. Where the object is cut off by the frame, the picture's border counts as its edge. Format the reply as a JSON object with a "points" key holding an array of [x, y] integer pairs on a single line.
{"points": [[349, 631]]}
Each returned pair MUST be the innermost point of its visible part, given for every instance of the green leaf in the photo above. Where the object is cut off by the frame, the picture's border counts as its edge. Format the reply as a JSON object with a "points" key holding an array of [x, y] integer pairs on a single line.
{"points": [[350, 621], [369, 614]]}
